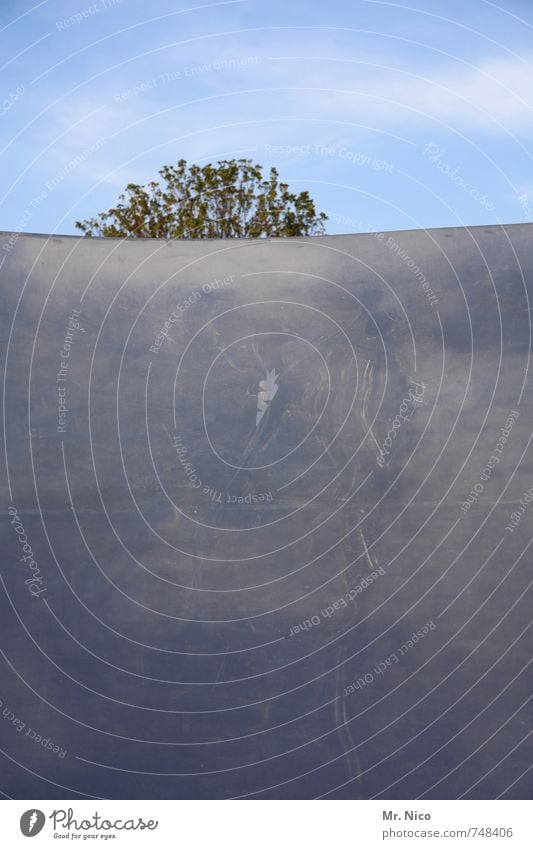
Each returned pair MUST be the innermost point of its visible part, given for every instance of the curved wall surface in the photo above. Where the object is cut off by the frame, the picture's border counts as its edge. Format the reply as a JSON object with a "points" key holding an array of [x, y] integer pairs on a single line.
{"points": [[267, 509]]}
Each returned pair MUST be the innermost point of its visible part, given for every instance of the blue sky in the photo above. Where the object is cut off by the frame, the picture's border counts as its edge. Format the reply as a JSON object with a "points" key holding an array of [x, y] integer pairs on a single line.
{"points": [[393, 115]]}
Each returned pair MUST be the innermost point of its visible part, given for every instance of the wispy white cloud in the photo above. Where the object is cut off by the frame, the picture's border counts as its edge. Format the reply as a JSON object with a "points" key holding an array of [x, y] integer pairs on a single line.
{"points": [[246, 94], [495, 95]]}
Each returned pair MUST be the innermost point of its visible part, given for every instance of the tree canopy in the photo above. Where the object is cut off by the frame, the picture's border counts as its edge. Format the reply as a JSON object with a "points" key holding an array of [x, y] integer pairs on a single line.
{"points": [[229, 200]]}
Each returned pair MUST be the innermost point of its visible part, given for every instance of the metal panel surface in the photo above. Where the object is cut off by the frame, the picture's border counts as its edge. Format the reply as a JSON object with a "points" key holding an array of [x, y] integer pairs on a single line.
{"points": [[266, 516]]}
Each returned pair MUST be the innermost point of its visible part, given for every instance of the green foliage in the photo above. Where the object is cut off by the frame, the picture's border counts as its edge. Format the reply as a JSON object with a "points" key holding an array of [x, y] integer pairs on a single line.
{"points": [[229, 200]]}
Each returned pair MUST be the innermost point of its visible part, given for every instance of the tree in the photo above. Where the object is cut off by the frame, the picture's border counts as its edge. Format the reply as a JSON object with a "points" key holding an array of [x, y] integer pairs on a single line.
{"points": [[229, 200]]}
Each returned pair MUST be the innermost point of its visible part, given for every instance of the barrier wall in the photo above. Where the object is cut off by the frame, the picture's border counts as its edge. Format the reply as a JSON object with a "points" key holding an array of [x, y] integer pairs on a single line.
{"points": [[267, 513]]}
